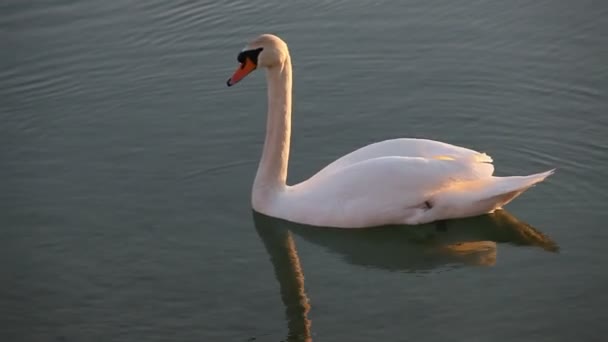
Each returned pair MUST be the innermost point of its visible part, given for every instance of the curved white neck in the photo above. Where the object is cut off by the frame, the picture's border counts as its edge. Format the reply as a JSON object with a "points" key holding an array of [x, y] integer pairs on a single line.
{"points": [[272, 172]]}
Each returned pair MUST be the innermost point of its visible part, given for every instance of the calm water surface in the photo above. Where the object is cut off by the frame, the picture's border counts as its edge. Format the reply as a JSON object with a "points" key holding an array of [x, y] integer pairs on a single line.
{"points": [[126, 168]]}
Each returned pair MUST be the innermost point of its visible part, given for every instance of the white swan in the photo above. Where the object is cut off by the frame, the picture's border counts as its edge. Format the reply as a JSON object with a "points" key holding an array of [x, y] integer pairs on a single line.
{"points": [[400, 181]]}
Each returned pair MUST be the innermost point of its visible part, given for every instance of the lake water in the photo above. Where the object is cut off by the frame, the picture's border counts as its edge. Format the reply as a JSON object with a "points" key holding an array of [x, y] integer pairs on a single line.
{"points": [[126, 171]]}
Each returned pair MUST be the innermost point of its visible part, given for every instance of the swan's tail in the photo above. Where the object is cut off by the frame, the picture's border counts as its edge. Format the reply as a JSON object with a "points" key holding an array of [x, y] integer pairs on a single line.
{"points": [[484, 196], [505, 189]]}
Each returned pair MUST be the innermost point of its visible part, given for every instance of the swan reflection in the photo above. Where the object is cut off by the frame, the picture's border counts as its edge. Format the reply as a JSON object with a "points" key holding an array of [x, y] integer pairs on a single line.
{"points": [[471, 241]]}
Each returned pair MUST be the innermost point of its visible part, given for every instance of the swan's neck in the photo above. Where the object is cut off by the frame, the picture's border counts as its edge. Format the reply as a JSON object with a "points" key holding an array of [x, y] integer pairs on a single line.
{"points": [[272, 172]]}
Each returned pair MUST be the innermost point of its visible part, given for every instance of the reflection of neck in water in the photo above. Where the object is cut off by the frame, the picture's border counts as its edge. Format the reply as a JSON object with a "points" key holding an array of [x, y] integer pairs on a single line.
{"points": [[470, 241], [288, 271]]}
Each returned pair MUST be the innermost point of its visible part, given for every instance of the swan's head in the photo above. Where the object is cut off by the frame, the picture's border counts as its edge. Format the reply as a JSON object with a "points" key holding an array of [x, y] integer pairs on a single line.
{"points": [[265, 51]]}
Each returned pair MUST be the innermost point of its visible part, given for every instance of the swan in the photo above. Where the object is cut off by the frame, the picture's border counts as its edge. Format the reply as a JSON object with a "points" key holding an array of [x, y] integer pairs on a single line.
{"points": [[398, 181]]}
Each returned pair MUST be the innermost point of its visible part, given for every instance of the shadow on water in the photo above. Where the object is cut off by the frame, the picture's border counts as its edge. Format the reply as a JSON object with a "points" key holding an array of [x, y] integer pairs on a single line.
{"points": [[470, 241]]}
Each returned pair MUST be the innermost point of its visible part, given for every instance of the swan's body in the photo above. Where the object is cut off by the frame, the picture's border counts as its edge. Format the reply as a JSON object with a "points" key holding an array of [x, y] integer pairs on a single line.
{"points": [[400, 181]]}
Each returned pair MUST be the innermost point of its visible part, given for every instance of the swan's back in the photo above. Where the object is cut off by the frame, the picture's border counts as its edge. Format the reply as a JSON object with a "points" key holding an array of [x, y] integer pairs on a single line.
{"points": [[411, 147]]}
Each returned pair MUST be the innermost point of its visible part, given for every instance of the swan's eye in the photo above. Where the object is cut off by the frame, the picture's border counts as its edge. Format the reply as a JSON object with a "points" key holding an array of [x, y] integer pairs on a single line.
{"points": [[251, 54]]}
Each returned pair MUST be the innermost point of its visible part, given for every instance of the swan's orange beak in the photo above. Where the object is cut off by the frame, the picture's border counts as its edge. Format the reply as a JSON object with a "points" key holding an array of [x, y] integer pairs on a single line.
{"points": [[243, 70]]}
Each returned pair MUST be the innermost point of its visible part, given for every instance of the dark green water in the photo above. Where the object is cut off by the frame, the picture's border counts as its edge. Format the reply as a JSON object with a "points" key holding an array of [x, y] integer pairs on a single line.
{"points": [[126, 169]]}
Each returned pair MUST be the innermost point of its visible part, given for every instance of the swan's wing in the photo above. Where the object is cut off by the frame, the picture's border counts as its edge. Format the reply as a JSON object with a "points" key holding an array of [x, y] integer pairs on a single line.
{"points": [[377, 191], [408, 147]]}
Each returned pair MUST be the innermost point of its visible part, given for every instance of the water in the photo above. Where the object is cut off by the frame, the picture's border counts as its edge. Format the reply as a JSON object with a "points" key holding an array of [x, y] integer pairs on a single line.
{"points": [[127, 167]]}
